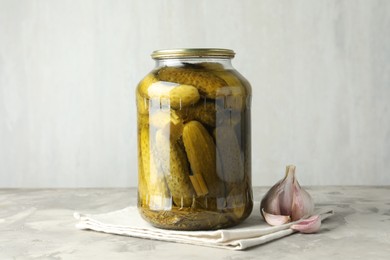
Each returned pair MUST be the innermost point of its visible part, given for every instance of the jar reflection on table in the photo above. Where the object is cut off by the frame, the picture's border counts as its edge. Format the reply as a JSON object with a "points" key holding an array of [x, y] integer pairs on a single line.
{"points": [[194, 141]]}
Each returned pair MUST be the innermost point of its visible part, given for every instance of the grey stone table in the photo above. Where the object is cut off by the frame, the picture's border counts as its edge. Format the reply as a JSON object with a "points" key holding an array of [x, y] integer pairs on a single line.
{"points": [[39, 223]]}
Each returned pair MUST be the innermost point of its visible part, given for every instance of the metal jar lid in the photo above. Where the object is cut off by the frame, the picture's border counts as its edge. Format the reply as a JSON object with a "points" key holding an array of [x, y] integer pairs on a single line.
{"points": [[192, 53]]}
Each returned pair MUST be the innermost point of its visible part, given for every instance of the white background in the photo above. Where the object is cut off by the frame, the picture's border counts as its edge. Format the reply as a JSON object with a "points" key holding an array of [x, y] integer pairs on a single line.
{"points": [[320, 72]]}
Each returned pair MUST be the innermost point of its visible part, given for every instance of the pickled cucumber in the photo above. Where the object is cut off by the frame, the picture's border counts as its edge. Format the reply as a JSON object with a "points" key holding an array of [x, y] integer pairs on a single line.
{"points": [[157, 196], [203, 112], [145, 83], [205, 66], [236, 99], [179, 96], [207, 83], [142, 104], [201, 153], [173, 162], [229, 152]]}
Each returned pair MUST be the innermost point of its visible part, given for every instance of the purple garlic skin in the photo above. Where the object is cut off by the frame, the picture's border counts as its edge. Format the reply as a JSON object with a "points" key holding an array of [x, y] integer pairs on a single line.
{"points": [[286, 201]]}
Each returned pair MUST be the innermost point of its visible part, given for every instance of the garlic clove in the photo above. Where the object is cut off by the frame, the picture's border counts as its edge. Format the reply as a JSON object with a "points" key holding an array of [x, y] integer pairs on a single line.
{"points": [[286, 197], [270, 202], [309, 225], [275, 220], [302, 203]]}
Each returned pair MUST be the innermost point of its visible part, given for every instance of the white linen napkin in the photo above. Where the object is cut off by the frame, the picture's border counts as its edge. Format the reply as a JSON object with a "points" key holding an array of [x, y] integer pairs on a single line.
{"points": [[252, 232]]}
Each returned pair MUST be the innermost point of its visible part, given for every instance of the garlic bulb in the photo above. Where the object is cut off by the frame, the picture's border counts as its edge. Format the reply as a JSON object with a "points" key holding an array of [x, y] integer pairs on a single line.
{"points": [[286, 201]]}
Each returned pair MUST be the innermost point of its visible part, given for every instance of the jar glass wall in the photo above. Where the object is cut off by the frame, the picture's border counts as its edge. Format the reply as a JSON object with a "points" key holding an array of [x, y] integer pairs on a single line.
{"points": [[194, 149]]}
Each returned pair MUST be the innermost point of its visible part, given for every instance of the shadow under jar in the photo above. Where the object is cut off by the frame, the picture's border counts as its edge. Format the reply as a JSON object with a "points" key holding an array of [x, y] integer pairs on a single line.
{"points": [[194, 150]]}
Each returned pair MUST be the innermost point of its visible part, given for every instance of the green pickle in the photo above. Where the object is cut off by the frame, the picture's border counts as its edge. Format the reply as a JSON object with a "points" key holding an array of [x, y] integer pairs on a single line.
{"points": [[194, 145]]}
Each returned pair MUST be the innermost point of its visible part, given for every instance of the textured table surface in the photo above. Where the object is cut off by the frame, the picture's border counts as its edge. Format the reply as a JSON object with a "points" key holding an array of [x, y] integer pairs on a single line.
{"points": [[39, 223]]}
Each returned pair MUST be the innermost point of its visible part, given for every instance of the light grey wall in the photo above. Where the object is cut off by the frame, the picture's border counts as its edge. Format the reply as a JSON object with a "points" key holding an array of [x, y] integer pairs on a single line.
{"points": [[320, 72]]}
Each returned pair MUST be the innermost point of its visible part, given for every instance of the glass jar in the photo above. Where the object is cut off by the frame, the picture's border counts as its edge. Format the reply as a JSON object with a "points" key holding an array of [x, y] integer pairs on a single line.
{"points": [[194, 149]]}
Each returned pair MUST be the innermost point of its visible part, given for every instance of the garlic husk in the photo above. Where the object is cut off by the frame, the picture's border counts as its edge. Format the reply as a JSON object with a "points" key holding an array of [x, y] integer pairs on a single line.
{"points": [[309, 225], [302, 203], [286, 201]]}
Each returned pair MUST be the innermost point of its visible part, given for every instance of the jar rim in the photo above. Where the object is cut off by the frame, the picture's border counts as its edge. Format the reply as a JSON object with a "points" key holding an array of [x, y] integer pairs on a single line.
{"points": [[192, 53]]}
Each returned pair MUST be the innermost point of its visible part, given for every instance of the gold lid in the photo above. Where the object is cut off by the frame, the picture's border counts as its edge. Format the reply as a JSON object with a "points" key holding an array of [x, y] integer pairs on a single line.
{"points": [[192, 53]]}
